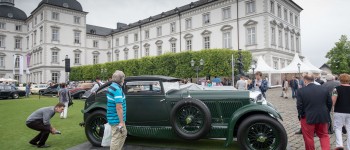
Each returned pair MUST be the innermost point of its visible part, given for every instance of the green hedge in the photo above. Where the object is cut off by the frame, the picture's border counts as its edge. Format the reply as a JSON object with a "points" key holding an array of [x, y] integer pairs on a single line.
{"points": [[217, 62]]}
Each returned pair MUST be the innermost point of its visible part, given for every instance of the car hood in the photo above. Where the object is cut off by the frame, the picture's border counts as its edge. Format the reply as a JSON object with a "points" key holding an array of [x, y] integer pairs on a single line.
{"points": [[196, 87]]}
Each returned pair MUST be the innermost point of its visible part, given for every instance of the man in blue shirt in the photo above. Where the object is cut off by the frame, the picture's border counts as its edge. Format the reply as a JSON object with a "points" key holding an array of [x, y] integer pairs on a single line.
{"points": [[116, 110]]}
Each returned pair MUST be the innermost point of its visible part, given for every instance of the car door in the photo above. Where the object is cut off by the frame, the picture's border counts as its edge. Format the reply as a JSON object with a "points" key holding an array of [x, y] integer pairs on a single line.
{"points": [[7, 91], [145, 103], [2, 88]]}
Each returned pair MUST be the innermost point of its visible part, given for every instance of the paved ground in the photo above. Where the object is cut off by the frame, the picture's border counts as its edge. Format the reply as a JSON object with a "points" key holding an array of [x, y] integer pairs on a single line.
{"points": [[287, 108]]}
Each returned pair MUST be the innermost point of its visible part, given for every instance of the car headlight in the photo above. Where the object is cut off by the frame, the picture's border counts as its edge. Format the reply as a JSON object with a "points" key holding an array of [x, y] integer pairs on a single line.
{"points": [[259, 99]]}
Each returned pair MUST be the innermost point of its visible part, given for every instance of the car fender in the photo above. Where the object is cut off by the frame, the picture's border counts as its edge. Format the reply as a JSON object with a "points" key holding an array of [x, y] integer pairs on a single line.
{"points": [[97, 105], [245, 110]]}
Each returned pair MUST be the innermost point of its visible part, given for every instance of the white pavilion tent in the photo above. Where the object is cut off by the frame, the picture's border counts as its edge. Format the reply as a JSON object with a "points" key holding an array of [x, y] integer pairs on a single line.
{"points": [[265, 69], [307, 62], [293, 67]]}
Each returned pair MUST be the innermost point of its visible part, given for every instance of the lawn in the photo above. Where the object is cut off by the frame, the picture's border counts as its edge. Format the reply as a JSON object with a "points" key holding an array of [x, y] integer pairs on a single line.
{"points": [[16, 135]]}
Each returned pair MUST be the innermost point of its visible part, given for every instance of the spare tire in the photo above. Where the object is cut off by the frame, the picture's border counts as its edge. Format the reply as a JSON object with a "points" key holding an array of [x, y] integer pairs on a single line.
{"points": [[190, 119]]}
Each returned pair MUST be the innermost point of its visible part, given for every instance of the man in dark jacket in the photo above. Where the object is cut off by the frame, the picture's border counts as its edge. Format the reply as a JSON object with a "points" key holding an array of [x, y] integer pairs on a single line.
{"points": [[314, 104]]}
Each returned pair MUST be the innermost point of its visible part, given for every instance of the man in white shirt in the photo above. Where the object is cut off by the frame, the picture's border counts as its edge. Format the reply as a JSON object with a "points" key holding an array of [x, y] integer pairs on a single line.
{"points": [[97, 85]]}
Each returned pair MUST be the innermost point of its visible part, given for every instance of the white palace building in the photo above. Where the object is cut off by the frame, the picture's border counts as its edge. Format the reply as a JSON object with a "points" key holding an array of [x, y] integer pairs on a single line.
{"points": [[56, 28]]}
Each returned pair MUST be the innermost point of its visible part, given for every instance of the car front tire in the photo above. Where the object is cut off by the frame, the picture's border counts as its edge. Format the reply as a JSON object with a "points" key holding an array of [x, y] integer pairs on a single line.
{"points": [[261, 132], [94, 127]]}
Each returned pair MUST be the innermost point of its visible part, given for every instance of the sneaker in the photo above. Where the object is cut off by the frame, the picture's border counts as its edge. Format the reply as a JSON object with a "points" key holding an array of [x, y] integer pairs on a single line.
{"points": [[299, 132], [344, 130], [43, 146]]}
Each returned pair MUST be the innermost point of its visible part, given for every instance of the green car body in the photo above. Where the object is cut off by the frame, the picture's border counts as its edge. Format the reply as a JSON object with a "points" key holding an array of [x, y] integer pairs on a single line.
{"points": [[157, 110]]}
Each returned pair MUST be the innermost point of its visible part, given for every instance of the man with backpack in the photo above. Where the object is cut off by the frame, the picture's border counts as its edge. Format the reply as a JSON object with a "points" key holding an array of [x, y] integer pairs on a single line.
{"points": [[259, 84], [97, 85]]}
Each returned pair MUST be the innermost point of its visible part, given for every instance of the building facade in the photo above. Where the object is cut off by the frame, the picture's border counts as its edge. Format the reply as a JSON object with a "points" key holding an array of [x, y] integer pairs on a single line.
{"points": [[57, 29]]}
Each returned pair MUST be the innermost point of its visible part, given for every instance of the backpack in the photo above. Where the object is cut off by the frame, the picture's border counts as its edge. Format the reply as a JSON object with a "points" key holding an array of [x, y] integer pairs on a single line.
{"points": [[295, 84], [264, 86]]}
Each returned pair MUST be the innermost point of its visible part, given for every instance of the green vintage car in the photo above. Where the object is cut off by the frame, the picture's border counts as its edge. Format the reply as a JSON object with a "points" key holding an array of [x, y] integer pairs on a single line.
{"points": [[158, 107]]}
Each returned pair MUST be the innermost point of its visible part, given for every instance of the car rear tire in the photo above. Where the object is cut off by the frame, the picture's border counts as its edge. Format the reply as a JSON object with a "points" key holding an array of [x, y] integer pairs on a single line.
{"points": [[15, 96], [190, 119], [261, 132], [80, 95], [94, 127]]}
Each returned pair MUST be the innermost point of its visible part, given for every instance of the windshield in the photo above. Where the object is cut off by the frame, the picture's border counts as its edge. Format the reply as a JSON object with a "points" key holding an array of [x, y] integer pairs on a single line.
{"points": [[171, 85]]}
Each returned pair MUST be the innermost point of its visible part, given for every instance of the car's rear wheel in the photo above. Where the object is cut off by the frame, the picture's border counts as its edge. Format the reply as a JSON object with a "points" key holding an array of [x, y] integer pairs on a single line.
{"points": [[261, 132], [191, 119], [94, 127], [15, 95], [80, 95]]}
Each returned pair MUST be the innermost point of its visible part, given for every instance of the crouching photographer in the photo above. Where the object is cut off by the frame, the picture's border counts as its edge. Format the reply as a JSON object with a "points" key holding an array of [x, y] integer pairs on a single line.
{"points": [[39, 120]]}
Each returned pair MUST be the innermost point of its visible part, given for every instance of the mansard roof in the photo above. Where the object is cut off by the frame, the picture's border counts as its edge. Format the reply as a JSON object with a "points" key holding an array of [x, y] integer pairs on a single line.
{"points": [[96, 30], [175, 11]]}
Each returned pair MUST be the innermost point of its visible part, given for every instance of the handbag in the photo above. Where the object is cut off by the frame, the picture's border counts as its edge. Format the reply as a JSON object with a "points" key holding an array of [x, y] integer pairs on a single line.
{"points": [[70, 100], [107, 135]]}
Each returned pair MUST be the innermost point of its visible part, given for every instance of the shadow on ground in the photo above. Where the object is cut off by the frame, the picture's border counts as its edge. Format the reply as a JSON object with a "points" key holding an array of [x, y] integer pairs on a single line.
{"points": [[135, 143]]}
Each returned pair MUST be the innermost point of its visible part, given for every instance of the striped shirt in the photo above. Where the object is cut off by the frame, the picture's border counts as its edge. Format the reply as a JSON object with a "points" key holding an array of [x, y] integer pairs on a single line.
{"points": [[115, 96]]}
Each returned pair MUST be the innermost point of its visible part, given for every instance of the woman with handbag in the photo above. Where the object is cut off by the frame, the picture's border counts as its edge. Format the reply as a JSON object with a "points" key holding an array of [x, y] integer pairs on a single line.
{"points": [[341, 116], [64, 96]]}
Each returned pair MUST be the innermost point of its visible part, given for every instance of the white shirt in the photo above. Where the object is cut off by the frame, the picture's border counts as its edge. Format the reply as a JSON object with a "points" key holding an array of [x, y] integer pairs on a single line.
{"points": [[96, 86]]}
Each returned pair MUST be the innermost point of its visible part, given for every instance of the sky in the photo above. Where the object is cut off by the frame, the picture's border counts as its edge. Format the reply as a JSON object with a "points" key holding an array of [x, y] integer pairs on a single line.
{"points": [[322, 21]]}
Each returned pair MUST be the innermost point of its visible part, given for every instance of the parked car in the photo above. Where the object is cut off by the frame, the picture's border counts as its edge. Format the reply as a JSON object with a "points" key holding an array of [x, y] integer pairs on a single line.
{"points": [[52, 90], [78, 92], [23, 88], [8, 91], [34, 89], [158, 108]]}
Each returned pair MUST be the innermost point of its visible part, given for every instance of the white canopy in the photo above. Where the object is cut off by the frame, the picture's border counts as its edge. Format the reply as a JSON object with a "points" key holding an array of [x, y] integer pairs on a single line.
{"points": [[307, 62], [293, 66], [7, 80], [263, 67]]}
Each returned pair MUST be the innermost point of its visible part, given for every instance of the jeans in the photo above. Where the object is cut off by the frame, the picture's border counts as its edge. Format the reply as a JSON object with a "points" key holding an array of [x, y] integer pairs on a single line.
{"points": [[294, 92], [341, 119], [38, 125], [65, 111]]}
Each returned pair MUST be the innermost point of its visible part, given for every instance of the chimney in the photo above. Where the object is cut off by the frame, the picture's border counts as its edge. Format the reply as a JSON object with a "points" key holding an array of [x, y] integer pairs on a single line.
{"points": [[121, 25]]}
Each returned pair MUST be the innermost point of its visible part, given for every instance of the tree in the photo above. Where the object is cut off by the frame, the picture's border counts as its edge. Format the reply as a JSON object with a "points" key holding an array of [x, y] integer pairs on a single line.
{"points": [[339, 56]]}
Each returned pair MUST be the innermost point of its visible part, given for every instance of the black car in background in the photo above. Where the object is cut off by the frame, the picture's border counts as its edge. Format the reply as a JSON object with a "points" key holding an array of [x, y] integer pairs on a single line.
{"points": [[8, 91], [52, 90]]}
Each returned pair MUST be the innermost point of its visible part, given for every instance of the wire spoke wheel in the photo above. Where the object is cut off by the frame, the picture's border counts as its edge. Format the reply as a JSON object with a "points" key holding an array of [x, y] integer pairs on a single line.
{"points": [[190, 119], [261, 136], [261, 132], [94, 127], [97, 127]]}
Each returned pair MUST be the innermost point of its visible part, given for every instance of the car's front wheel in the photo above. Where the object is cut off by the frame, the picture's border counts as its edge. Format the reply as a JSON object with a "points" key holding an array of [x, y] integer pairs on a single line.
{"points": [[94, 127], [260, 132], [15, 96]]}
